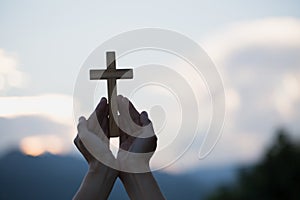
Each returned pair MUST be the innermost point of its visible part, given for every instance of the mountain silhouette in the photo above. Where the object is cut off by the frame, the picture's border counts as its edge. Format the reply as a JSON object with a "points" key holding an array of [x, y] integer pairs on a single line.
{"points": [[58, 177]]}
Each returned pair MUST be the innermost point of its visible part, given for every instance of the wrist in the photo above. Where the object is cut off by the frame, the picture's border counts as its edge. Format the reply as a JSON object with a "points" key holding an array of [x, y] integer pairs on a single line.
{"points": [[133, 162], [98, 168]]}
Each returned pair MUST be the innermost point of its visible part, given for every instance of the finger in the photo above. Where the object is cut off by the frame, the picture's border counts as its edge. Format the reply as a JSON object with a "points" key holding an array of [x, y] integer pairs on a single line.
{"points": [[123, 130], [82, 149], [97, 147], [123, 135], [121, 107], [104, 121], [102, 109], [82, 118], [121, 119], [144, 145], [126, 124], [82, 125], [124, 113], [104, 126], [127, 110], [134, 114], [144, 119]]}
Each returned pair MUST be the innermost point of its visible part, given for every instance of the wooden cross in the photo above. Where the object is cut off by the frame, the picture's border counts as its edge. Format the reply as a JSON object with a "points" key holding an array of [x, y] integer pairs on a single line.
{"points": [[111, 74]]}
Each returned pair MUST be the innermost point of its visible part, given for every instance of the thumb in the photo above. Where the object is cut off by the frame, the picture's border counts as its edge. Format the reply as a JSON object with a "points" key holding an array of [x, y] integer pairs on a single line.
{"points": [[82, 125], [144, 118]]}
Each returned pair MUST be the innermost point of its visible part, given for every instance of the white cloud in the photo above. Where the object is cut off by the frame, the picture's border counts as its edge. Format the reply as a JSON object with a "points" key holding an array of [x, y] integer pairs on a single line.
{"points": [[35, 130], [258, 61], [287, 94], [45, 121], [27, 120], [57, 107], [270, 32], [10, 76], [260, 64], [232, 100]]}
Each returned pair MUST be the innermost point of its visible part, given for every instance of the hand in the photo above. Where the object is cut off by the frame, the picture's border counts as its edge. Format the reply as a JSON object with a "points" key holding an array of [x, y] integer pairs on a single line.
{"points": [[96, 125], [137, 145], [137, 138], [93, 143]]}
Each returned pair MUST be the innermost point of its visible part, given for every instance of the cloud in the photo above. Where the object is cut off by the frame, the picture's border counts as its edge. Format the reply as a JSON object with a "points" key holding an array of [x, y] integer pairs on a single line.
{"points": [[57, 107], [265, 33], [259, 61], [10, 76], [35, 132], [37, 123], [260, 64], [287, 94]]}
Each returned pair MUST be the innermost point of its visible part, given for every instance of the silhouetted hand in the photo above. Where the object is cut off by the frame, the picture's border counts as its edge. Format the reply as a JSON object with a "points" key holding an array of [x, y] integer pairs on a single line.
{"points": [[137, 139], [100, 178], [97, 124], [137, 145]]}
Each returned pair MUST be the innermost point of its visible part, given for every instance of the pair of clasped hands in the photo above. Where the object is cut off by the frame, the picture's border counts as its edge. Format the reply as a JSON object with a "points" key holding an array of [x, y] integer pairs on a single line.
{"points": [[137, 145]]}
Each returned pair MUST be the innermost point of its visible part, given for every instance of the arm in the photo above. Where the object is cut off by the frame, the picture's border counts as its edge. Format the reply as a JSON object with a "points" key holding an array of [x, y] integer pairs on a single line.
{"points": [[141, 186], [135, 153], [97, 183], [99, 180]]}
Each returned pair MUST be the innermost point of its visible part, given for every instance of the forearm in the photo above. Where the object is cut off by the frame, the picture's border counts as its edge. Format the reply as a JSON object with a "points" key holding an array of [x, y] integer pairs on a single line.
{"points": [[141, 186], [97, 184]]}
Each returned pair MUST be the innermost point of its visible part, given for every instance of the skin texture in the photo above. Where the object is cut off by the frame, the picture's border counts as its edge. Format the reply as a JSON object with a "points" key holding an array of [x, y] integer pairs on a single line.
{"points": [[137, 185], [99, 180]]}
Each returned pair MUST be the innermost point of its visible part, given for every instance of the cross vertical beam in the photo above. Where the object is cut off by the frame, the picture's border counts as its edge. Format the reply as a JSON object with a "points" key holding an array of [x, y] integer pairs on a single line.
{"points": [[112, 94], [111, 74]]}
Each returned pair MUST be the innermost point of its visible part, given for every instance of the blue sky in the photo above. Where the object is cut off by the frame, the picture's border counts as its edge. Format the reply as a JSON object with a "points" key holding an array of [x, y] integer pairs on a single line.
{"points": [[254, 44]]}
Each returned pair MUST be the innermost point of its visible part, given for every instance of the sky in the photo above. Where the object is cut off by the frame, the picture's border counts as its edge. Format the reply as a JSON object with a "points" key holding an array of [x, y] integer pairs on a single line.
{"points": [[255, 46]]}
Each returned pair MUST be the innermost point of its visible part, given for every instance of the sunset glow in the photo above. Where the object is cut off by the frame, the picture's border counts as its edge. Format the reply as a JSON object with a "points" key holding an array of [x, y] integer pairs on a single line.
{"points": [[37, 145]]}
